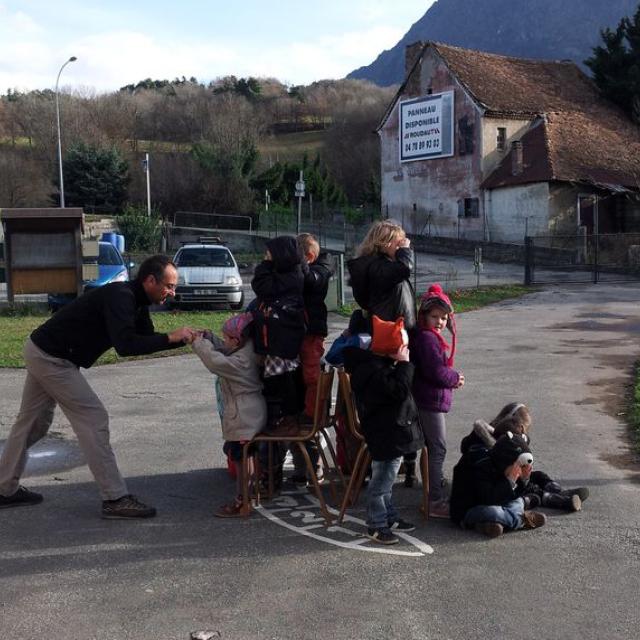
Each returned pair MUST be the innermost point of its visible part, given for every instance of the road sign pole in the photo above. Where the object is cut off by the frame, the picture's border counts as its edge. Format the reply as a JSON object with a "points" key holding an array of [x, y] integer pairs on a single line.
{"points": [[300, 194]]}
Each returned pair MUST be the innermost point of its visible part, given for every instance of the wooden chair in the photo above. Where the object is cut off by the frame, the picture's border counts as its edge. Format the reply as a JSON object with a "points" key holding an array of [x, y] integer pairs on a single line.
{"points": [[321, 421], [363, 458]]}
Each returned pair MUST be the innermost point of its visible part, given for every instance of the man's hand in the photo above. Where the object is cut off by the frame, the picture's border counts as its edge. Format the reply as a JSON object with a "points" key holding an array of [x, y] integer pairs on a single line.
{"points": [[460, 381], [525, 471], [185, 335]]}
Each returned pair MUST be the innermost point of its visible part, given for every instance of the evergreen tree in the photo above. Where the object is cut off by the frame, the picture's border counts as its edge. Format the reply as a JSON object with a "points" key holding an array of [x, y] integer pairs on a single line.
{"points": [[95, 177], [616, 65]]}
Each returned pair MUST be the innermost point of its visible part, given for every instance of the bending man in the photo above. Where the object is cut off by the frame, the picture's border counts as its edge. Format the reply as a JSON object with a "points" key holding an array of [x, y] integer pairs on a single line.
{"points": [[116, 315]]}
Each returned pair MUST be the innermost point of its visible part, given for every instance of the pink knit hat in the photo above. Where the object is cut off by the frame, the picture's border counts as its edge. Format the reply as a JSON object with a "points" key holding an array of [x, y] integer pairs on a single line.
{"points": [[234, 327], [435, 295]]}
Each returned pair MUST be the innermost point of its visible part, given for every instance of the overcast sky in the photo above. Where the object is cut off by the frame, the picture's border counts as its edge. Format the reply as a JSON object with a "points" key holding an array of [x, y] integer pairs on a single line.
{"points": [[118, 42]]}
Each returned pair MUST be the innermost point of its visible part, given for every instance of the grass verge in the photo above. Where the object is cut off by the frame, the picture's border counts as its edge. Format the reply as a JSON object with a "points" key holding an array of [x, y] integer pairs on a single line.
{"points": [[18, 324], [634, 409], [470, 299], [15, 329]]}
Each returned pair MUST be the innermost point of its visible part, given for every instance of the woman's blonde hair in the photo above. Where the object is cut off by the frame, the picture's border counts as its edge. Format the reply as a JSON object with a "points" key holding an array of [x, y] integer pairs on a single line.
{"points": [[514, 417], [380, 234]]}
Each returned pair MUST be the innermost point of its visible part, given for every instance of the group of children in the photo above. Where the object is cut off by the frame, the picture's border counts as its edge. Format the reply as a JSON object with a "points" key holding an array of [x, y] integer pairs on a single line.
{"points": [[268, 361], [402, 378]]}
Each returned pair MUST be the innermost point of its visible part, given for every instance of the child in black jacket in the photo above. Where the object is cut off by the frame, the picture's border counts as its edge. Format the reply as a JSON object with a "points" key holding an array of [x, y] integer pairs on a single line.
{"points": [[541, 488], [381, 380], [488, 488], [278, 283], [279, 329]]}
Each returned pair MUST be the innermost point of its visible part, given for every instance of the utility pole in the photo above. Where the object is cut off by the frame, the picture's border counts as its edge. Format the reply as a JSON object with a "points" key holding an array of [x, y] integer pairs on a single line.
{"points": [[145, 166]]}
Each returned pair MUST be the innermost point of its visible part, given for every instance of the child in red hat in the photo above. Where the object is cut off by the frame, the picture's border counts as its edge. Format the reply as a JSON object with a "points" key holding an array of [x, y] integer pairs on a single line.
{"points": [[381, 381], [433, 384]]}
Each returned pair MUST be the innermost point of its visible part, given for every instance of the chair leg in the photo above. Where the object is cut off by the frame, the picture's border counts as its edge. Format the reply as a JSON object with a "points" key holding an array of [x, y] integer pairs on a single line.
{"points": [[355, 482], [334, 459], [424, 472], [325, 463], [314, 480]]}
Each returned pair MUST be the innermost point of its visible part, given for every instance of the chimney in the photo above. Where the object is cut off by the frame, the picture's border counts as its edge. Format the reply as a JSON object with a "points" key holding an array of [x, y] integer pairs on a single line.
{"points": [[411, 55], [517, 163]]}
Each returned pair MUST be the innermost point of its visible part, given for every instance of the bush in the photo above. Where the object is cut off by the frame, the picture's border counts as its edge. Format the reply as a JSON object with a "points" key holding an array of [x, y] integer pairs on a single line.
{"points": [[141, 231]]}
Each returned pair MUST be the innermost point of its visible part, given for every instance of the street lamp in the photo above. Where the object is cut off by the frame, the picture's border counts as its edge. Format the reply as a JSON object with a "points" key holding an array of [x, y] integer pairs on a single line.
{"points": [[71, 59]]}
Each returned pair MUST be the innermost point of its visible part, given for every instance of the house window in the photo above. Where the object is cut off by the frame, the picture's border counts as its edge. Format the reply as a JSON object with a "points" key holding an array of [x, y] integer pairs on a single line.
{"points": [[501, 139], [465, 136], [469, 208]]}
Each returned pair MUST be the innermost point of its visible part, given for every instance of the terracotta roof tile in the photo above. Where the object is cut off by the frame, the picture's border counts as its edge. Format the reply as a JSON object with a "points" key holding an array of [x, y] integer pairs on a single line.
{"points": [[518, 86]]}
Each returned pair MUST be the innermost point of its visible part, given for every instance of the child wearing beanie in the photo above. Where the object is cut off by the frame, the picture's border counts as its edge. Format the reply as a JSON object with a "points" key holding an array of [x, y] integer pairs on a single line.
{"points": [[541, 490], [488, 488], [433, 384], [239, 390], [381, 377]]}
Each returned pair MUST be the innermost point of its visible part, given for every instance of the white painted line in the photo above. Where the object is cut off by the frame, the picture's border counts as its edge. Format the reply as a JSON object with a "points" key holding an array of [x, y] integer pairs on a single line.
{"points": [[298, 510]]}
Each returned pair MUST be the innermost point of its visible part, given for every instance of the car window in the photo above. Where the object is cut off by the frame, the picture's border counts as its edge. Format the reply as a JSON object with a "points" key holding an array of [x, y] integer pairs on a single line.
{"points": [[204, 258], [109, 255]]}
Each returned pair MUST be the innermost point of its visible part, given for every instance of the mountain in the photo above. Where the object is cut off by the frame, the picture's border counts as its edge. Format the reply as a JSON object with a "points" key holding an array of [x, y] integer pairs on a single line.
{"points": [[552, 29]]}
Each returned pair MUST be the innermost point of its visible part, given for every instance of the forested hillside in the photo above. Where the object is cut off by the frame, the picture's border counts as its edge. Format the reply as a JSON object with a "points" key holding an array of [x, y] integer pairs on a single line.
{"points": [[213, 148]]}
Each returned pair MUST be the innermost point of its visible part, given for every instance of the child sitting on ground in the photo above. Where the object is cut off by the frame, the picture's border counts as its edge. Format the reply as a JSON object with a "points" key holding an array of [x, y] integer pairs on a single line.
{"points": [[433, 384], [541, 488], [381, 381], [244, 410], [488, 488]]}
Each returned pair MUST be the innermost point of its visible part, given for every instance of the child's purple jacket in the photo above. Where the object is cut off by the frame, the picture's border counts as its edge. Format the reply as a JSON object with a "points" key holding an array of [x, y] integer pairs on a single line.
{"points": [[433, 380]]}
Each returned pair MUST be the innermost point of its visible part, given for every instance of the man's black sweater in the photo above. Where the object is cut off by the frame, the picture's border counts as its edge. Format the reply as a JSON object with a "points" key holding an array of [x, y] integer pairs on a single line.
{"points": [[116, 315]]}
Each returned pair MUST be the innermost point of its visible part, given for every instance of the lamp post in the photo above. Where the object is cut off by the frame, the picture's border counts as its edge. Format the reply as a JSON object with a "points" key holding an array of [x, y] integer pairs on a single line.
{"points": [[71, 59]]}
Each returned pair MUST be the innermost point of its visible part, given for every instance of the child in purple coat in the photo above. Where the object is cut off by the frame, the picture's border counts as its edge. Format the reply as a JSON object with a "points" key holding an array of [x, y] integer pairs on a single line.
{"points": [[433, 385]]}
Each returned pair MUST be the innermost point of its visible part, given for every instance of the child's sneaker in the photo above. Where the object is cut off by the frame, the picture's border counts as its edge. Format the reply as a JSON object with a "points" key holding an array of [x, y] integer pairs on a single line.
{"points": [[489, 529], [402, 525], [382, 536], [439, 509], [533, 520]]}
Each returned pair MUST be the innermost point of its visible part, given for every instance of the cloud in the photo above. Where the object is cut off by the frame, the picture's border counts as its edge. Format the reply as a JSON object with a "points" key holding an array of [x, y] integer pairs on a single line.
{"points": [[110, 57]]}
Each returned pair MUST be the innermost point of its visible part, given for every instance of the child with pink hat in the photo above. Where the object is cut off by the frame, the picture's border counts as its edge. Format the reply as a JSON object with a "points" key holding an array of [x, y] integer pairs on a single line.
{"points": [[243, 409], [433, 384]]}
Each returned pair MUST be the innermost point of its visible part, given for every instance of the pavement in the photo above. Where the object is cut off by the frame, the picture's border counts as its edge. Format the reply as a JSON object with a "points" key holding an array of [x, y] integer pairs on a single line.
{"points": [[567, 352]]}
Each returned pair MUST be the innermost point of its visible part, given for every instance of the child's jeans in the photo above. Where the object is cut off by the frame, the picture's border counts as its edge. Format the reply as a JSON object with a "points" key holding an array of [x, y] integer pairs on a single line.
{"points": [[509, 515], [380, 510]]}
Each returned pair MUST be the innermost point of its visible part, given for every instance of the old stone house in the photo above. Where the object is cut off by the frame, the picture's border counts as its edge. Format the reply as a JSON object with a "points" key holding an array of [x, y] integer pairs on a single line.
{"points": [[486, 147]]}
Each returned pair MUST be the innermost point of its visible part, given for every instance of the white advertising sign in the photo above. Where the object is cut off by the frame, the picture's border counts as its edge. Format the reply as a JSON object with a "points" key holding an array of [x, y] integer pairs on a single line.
{"points": [[426, 127]]}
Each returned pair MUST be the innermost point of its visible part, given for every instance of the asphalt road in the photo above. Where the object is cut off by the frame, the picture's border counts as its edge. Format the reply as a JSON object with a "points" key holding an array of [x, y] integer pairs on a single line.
{"points": [[566, 352]]}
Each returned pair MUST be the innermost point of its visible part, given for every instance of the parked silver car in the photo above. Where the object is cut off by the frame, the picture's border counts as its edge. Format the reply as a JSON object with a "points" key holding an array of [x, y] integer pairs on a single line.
{"points": [[208, 274]]}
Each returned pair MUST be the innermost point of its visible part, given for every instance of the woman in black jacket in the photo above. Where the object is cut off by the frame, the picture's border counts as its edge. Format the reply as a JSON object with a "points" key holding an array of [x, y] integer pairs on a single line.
{"points": [[380, 274]]}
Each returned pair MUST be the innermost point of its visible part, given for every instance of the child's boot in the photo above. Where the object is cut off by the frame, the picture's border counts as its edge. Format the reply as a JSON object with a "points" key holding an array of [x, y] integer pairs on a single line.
{"points": [[581, 492], [409, 473], [531, 501], [560, 501]]}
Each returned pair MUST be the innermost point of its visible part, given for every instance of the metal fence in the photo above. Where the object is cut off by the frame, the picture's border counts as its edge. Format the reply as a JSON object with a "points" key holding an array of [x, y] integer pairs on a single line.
{"points": [[582, 258]]}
